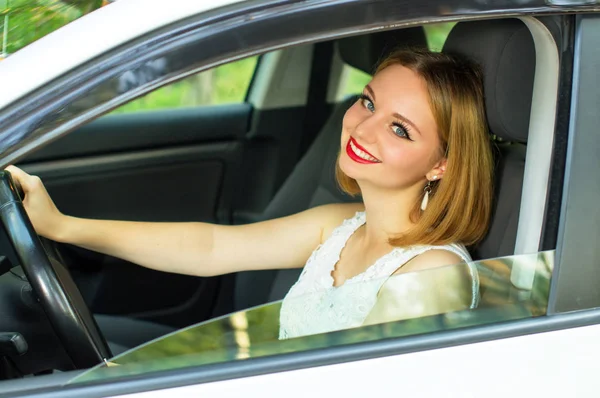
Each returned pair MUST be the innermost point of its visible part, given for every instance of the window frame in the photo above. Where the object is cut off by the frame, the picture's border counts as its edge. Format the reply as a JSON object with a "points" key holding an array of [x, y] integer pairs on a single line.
{"points": [[46, 104], [574, 280]]}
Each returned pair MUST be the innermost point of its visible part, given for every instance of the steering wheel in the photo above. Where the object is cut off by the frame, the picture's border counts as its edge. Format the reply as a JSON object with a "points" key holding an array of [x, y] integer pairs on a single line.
{"points": [[51, 281]]}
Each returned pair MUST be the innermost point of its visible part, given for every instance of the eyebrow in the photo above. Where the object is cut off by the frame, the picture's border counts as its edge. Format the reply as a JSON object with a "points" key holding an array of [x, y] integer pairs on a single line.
{"points": [[395, 114], [404, 119], [370, 90]]}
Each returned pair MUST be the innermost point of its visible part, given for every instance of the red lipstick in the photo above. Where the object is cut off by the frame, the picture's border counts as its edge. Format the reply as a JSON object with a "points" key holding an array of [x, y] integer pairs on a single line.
{"points": [[354, 156]]}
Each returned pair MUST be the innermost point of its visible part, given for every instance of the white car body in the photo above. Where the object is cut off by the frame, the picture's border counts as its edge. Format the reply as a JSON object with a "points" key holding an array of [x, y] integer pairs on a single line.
{"points": [[87, 38], [511, 367], [546, 364]]}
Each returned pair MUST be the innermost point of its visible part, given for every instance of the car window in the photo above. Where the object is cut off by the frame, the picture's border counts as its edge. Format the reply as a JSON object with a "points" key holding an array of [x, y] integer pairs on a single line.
{"points": [[226, 84], [353, 80], [24, 21], [255, 332]]}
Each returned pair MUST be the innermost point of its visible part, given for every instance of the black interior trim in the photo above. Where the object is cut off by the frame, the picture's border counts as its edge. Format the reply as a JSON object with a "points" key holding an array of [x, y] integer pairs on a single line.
{"points": [[87, 166], [561, 134], [116, 133], [271, 150]]}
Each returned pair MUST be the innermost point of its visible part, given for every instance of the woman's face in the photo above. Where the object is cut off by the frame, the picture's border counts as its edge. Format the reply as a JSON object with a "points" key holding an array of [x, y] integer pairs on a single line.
{"points": [[389, 136]]}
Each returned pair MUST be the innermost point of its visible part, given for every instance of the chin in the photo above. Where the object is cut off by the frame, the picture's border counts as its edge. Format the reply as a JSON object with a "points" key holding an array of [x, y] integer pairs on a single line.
{"points": [[363, 175], [346, 164], [351, 168]]}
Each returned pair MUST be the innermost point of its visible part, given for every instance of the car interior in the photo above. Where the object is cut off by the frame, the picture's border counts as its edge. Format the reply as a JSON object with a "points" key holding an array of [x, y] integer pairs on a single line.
{"points": [[260, 160]]}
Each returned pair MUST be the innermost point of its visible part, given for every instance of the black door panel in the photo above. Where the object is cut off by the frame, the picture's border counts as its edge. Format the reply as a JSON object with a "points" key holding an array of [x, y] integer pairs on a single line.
{"points": [[270, 154], [126, 289], [176, 184], [151, 129], [205, 164], [176, 165]]}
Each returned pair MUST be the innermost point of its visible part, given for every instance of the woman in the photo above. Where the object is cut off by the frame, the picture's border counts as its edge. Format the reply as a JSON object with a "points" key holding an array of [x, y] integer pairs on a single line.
{"points": [[414, 146]]}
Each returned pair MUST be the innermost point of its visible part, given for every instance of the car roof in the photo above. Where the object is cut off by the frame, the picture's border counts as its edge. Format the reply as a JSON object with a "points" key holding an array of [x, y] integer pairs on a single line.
{"points": [[89, 37]]}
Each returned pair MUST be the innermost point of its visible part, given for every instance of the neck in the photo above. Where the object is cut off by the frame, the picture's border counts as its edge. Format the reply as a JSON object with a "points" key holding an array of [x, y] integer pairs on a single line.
{"points": [[388, 213]]}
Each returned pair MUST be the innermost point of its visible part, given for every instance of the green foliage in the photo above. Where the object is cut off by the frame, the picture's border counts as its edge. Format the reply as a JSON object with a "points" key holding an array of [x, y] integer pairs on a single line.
{"points": [[356, 80], [29, 20], [229, 83], [436, 34], [225, 84], [232, 81]]}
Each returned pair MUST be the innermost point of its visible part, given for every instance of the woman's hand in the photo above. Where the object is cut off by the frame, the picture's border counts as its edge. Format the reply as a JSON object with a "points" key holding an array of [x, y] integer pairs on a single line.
{"points": [[45, 217]]}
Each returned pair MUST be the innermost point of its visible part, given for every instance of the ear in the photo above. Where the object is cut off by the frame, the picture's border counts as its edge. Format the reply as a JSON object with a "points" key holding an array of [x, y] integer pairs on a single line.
{"points": [[438, 170]]}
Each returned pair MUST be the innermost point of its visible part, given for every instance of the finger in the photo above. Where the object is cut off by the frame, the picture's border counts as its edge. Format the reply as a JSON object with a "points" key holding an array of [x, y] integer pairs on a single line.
{"points": [[21, 179], [16, 172]]}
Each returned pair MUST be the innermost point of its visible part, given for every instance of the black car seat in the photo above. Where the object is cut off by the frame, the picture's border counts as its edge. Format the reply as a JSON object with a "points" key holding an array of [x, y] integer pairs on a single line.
{"points": [[506, 53], [312, 182]]}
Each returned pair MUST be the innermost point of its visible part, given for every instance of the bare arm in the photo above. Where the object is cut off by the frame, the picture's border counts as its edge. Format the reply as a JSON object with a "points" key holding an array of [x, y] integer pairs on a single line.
{"points": [[188, 248], [206, 249]]}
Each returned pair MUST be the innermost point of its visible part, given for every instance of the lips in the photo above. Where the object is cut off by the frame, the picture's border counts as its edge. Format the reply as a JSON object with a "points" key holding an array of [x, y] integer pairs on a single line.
{"points": [[359, 154]]}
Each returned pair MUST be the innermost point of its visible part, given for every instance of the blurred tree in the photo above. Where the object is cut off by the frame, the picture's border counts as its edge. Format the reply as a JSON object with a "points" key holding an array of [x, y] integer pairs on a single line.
{"points": [[85, 6], [24, 21]]}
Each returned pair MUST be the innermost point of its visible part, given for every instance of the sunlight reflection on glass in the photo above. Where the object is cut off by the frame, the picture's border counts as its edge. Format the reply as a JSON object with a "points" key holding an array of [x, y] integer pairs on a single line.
{"points": [[420, 302], [239, 322]]}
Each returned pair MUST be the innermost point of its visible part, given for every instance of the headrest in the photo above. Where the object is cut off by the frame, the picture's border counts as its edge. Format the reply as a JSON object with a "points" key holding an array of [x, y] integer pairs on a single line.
{"points": [[505, 50], [364, 52]]}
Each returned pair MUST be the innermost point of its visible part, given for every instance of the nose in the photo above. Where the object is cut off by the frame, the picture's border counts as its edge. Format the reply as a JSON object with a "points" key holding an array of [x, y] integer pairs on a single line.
{"points": [[366, 128]]}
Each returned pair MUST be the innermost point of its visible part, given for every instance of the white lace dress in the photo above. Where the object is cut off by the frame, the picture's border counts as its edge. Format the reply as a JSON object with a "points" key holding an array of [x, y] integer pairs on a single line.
{"points": [[313, 305]]}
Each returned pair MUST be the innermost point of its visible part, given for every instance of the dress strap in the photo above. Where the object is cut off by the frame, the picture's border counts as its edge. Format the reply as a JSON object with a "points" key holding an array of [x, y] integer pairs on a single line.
{"points": [[353, 223], [325, 256], [400, 256], [342, 233]]}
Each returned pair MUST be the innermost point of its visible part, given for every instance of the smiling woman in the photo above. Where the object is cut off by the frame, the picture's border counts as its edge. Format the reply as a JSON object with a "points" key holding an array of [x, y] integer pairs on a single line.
{"points": [[410, 128], [443, 96], [392, 241], [213, 190]]}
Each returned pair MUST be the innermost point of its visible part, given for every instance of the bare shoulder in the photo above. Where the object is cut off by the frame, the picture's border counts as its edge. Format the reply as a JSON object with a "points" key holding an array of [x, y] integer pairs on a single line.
{"points": [[332, 215], [431, 259], [429, 285]]}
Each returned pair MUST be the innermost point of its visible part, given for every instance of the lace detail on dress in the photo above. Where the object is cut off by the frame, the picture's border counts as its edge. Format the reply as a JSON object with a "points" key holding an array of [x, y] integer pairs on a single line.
{"points": [[314, 305]]}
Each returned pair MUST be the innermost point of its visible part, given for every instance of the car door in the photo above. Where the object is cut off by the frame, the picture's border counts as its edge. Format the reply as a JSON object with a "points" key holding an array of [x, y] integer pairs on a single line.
{"points": [[569, 231], [548, 355], [195, 150], [164, 157], [521, 349]]}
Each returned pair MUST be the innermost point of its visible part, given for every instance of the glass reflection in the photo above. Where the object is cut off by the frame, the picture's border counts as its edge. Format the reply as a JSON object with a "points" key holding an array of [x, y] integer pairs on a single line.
{"points": [[422, 304]]}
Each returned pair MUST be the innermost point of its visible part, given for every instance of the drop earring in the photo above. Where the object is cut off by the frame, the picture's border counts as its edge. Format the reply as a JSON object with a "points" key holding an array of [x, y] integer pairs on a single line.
{"points": [[427, 190]]}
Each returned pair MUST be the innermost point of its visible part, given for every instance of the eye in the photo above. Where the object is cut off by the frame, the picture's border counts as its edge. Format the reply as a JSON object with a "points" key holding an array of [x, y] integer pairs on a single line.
{"points": [[367, 102], [401, 130]]}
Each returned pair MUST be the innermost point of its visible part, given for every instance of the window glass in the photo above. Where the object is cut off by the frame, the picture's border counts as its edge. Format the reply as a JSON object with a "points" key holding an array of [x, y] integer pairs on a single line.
{"points": [[353, 80], [226, 84], [510, 288], [25, 21]]}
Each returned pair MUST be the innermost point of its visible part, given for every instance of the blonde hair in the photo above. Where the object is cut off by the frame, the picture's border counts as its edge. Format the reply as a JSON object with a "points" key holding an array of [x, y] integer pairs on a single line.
{"points": [[460, 204]]}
